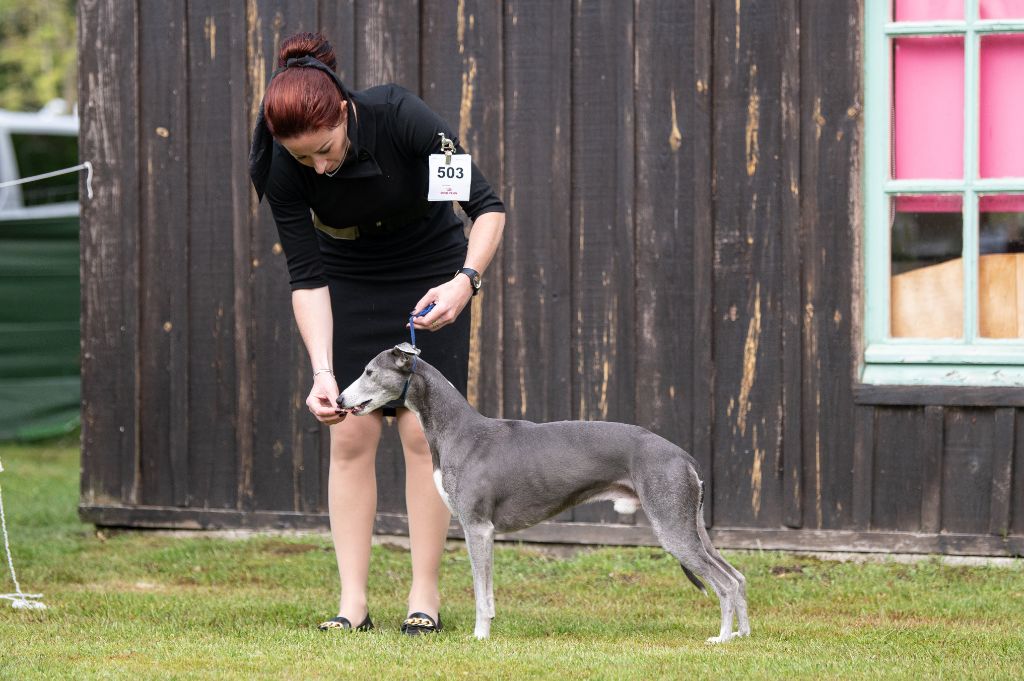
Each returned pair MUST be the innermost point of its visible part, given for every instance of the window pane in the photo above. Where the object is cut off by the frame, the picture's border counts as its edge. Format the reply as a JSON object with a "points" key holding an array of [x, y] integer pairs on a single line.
{"points": [[927, 268], [928, 10], [1001, 135], [37, 154], [1001, 266], [1001, 9], [928, 96]]}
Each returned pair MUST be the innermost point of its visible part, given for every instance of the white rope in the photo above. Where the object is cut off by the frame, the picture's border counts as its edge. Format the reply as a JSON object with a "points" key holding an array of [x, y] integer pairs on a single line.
{"points": [[87, 167], [18, 599]]}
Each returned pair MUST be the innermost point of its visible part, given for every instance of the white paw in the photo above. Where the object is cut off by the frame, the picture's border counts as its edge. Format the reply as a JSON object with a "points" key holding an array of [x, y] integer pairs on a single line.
{"points": [[721, 639]]}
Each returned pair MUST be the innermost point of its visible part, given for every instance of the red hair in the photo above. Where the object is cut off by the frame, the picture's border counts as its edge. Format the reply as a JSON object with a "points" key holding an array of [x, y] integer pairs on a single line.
{"points": [[301, 100]]}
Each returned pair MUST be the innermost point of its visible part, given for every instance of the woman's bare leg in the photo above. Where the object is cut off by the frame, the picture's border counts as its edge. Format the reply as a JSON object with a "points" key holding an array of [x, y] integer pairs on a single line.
{"points": [[428, 516], [352, 502]]}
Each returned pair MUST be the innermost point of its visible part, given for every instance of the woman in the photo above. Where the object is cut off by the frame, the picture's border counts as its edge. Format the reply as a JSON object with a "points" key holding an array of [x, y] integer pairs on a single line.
{"points": [[345, 174]]}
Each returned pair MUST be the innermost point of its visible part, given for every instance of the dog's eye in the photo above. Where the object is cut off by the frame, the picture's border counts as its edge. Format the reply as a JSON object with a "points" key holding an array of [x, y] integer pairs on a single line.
{"points": [[369, 372]]}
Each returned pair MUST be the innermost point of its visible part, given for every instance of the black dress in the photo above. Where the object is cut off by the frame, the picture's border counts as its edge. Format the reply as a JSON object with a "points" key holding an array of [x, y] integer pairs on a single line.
{"points": [[404, 245]]}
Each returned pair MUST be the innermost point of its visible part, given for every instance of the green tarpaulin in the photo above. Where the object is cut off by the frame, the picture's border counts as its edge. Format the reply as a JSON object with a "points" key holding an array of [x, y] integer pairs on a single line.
{"points": [[40, 391]]}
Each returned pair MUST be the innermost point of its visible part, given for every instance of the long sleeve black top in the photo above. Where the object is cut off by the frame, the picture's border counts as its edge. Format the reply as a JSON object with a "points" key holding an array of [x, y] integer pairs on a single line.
{"points": [[383, 177]]}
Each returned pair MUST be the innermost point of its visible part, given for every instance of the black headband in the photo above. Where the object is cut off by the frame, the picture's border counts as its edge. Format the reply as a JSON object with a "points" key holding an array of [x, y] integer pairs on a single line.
{"points": [[262, 149]]}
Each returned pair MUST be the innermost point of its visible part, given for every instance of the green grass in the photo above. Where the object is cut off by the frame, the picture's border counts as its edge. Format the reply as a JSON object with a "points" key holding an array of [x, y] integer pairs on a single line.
{"points": [[140, 606]]}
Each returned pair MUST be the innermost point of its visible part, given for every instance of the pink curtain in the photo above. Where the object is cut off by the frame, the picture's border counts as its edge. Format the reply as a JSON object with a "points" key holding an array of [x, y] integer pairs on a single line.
{"points": [[928, 97]]}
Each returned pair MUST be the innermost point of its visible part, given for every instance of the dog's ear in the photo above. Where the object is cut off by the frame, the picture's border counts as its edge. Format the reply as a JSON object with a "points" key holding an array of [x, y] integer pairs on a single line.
{"points": [[403, 354]]}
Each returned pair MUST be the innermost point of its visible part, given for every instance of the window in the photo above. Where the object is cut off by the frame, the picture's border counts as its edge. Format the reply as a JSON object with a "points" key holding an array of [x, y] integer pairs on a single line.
{"points": [[36, 154], [944, 192]]}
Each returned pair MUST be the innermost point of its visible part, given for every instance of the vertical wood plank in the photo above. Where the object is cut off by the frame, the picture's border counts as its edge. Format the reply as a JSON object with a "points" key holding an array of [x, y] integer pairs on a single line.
{"points": [[790, 465], [538, 282], [462, 80], [830, 224], [387, 43], [967, 471], [1002, 471], [747, 284], [286, 440], [216, 75], [337, 22], [932, 445], [164, 253], [896, 503], [1017, 493], [863, 466], [602, 219], [663, 391], [703, 251], [108, 137]]}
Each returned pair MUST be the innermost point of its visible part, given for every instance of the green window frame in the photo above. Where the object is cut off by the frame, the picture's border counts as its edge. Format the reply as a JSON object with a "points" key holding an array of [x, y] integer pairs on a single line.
{"points": [[970, 360]]}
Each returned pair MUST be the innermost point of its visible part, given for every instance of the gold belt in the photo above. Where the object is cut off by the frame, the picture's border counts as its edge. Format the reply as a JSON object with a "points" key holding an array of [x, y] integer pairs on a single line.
{"points": [[347, 233]]}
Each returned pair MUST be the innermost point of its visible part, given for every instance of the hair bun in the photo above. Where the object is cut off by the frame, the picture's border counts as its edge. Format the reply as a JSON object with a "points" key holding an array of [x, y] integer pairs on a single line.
{"points": [[307, 44]]}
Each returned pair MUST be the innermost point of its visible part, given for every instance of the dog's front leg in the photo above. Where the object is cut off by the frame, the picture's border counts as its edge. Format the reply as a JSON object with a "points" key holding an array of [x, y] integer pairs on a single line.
{"points": [[480, 544]]}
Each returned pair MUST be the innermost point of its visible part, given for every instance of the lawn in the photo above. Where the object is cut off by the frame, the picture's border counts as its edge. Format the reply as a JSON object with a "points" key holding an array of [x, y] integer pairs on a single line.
{"points": [[141, 605]]}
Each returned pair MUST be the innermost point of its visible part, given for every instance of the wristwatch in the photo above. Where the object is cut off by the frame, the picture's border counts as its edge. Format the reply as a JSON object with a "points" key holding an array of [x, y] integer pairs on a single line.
{"points": [[474, 278]]}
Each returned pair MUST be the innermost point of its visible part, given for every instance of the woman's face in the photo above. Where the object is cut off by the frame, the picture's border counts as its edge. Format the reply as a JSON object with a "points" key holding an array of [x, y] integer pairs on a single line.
{"points": [[323, 149]]}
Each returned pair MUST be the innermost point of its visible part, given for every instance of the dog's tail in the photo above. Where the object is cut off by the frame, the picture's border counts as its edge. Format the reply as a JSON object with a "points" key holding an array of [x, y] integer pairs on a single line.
{"points": [[700, 518]]}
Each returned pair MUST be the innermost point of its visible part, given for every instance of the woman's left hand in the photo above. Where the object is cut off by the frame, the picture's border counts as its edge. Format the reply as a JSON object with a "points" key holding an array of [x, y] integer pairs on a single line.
{"points": [[449, 300]]}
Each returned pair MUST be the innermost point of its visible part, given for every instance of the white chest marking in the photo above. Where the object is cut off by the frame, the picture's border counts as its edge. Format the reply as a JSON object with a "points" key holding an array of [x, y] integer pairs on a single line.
{"points": [[440, 490]]}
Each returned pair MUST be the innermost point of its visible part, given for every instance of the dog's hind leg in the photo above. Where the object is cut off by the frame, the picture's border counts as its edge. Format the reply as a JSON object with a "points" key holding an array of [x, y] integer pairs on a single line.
{"points": [[671, 498], [480, 545], [741, 601]]}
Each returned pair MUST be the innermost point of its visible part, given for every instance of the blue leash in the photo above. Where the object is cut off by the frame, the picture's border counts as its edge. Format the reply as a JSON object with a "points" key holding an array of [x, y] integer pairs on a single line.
{"points": [[412, 337], [412, 327]]}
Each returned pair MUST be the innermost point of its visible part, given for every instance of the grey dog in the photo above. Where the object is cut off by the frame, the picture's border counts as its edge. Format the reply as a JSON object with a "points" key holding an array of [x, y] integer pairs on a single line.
{"points": [[500, 475]]}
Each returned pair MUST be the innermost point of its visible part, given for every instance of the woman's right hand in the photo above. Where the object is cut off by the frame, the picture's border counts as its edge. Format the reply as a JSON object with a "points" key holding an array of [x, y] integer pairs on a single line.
{"points": [[322, 400]]}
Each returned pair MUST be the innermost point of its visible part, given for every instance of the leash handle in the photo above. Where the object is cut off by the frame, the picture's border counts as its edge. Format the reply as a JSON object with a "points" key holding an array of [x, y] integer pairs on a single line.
{"points": [[412, 327]]}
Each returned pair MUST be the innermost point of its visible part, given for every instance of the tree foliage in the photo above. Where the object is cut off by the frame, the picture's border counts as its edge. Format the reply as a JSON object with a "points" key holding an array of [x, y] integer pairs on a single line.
{"points": [[38, 59]]}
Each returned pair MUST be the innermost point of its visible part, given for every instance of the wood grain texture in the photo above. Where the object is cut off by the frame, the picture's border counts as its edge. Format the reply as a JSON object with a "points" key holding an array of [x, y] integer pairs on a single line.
{"points": [[1017, 491], [703, 376], [664, 208], [387, 43], [537, 344], [967, 470], [791, 463], [748, 265], [1003, 437], [602, 252], [932, 445], [896, 490], [863, 467], [286, 440], [108, 137], [830, 188], [215, 77], [163, 254]]}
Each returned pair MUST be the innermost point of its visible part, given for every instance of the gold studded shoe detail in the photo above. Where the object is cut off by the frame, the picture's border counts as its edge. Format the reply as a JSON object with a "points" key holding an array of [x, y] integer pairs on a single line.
{"points": [[340, 622], [421, 623]]}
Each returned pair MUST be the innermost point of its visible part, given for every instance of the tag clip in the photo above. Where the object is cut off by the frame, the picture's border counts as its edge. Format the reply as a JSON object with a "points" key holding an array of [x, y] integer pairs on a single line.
{"points": [[448, 147]]}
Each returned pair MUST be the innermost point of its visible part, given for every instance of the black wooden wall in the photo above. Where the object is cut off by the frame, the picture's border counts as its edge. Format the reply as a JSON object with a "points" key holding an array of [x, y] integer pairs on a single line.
{"points": [[682, 251]]}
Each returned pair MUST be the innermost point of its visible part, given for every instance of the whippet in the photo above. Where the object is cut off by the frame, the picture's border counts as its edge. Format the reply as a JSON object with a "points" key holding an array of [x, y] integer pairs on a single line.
{"points": [[500, 475]]}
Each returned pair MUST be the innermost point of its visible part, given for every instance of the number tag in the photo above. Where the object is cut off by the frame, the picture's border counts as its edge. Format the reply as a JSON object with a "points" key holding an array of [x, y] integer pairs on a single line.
{"points": [[449, 182]]}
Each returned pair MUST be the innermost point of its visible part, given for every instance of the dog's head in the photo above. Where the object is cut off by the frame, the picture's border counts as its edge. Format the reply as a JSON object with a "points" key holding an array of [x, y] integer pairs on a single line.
{"points": [[382, 381]]}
